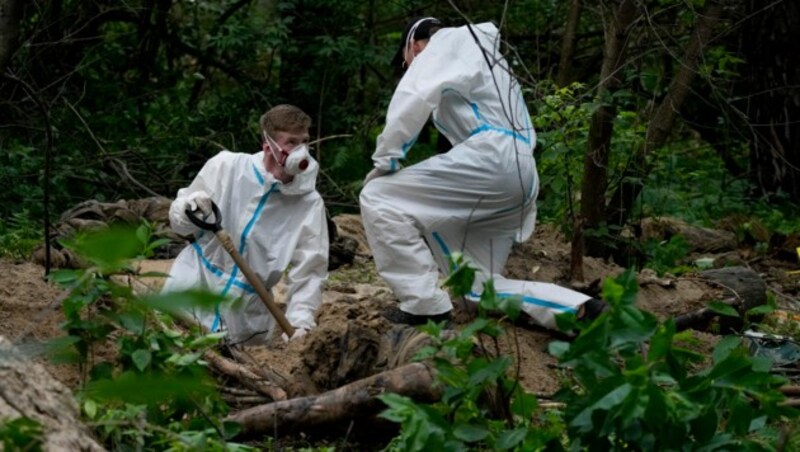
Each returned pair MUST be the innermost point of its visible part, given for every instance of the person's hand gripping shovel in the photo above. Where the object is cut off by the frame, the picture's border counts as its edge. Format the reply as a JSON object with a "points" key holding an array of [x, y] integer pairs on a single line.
{"points": [[252, 278]]}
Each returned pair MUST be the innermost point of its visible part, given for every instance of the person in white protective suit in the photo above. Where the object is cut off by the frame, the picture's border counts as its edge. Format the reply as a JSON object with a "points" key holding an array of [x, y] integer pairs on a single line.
{"points": [[270, 207], [478, 198]]}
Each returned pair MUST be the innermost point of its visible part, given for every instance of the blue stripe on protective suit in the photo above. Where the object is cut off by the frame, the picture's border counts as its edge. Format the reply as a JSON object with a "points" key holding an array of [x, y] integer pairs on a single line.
{"points": [[444, 247], [531, 300], [259, 177], [485, 127], [242, 243], [525, 298]]}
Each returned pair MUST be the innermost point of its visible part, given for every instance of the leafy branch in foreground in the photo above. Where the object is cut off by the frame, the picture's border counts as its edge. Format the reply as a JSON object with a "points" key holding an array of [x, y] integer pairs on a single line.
{"points": [[481, 407], [151, 388], [634, 386], [631, 385]]}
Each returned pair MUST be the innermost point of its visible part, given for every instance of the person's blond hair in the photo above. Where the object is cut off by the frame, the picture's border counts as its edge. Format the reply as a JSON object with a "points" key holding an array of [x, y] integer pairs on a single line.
{"points": [[285, 118]]}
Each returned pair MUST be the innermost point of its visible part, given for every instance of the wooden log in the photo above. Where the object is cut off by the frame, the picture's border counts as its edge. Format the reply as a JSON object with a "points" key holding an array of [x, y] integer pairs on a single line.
{"points": [[357, 400], [28, 390], [697, 238]]}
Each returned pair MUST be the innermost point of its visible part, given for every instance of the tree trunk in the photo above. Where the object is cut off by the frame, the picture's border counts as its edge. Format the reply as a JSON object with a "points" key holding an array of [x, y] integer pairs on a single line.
{"points": [[568, 44], [9, 31], [352, 402], [660, 125], [595, 165], [28, 390]]}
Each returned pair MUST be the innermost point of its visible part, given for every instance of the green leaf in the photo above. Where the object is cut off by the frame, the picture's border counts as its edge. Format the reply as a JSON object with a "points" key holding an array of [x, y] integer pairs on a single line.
{"points": [[761, 364], [470, 433], [231, 429], [558, 348], [661, 342], [523, 404], [143, 234], [511, 306], [511, 438], [584, 419], [21, 434], [109, 248], [461, 276], [183, 360], [724, 348], [180, 302], [141, 358], [723, 308], [150, 388], [481, 372], [90, 408], [65, 277], [207, 340], [759, 310]]}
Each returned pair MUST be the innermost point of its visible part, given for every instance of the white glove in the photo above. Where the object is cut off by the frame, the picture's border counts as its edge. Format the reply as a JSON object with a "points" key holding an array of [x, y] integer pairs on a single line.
{"points": [[201, 201], [180, 223], [375, 173], [298, 332]]}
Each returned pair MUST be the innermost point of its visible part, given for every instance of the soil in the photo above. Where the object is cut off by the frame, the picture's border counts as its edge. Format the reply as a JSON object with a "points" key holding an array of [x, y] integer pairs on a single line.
{"points": [[352, 340]]}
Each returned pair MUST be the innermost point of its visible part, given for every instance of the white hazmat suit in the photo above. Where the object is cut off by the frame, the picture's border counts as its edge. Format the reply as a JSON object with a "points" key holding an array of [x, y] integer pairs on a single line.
{"points": [[478, 198], [273, 225]]}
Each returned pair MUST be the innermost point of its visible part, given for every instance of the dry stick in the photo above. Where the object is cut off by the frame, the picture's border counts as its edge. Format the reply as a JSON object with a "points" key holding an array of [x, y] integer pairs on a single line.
{"points": [[245, 400], [236, 391], [247, 377], [357, 399], [790, 390]]}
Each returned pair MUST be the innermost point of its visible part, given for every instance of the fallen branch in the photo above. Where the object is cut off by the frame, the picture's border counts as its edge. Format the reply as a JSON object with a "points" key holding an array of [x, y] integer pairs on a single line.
{"points": [[339, 406], [245, 376]]}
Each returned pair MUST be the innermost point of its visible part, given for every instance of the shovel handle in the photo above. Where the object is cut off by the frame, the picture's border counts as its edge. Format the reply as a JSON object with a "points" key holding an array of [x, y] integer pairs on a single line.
{"points": [[252, 278]]}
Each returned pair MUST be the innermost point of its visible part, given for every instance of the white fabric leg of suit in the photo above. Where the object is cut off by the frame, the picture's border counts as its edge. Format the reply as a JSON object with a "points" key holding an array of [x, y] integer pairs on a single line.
{"points": [[463, 200]]}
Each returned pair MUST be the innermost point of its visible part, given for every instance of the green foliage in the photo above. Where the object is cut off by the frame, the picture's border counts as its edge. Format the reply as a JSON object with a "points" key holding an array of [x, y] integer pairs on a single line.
{"points": [[19, 235], [153, 391], [21, 434], [662, 256], [633, 386], [561, 120], [461, 420]]}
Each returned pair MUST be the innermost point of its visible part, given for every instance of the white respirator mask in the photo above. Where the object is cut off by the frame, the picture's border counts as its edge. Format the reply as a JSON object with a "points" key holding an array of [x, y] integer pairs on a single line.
{"points": [[293, 162]]}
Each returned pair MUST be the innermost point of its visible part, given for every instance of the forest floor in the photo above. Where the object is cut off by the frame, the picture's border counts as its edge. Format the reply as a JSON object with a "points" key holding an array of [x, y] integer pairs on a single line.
{"points": [[355, 295]]}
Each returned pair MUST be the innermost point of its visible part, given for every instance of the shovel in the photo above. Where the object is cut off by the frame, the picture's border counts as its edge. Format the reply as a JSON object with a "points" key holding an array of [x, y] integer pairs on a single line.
{"points": [[251, 277]]}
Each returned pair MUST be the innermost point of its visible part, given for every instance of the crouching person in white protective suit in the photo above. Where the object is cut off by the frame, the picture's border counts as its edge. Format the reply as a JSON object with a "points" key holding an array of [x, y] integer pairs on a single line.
{"points": [[270, 207], [478, 198]]}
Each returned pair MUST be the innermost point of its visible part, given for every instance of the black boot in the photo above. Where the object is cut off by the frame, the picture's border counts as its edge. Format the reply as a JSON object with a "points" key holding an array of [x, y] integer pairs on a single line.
{"points": [[395, 315], [593, 308]]}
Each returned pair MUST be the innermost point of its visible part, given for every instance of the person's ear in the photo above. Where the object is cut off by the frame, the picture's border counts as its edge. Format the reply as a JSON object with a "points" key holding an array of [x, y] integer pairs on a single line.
{"points": [[265, 146], [418, 45]]}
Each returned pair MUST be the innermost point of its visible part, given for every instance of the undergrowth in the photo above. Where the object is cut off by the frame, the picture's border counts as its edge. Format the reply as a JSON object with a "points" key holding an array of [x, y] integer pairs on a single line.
{"points": [[630, 386]]}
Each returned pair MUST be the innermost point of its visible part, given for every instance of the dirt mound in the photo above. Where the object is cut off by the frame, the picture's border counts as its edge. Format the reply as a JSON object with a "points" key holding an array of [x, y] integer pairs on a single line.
{"points": [[353, 341]]}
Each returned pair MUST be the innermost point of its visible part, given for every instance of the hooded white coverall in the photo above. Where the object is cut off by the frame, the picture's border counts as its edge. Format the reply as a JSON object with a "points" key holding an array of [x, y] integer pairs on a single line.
{"points": [[478, 198], [273, 225]]}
